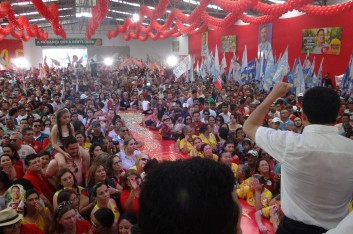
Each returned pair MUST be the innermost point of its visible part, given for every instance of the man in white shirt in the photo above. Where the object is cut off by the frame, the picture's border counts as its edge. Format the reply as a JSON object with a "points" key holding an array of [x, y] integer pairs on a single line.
{"points": [[225, 113], [316, 171]]}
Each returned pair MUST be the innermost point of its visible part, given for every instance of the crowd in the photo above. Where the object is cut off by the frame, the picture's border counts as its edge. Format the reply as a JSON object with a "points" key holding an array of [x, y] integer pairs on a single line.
{"points": [[69, 163]]}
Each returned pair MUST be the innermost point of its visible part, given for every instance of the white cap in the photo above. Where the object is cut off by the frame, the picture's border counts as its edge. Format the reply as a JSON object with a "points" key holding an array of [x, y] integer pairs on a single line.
{"points": [[275, 120]]}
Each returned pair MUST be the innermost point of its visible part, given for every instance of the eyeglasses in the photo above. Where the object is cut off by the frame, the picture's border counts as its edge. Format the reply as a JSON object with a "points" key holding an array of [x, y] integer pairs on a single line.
{"points": [[13, 140], [47, 124], [125, 130], [5, 137], [36, 126]]}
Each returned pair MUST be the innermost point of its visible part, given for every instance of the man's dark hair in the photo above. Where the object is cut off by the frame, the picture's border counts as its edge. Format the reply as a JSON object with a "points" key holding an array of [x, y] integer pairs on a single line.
{"points": [[105, 216], [321, 105], [194, 196], [25, 130], [30, 157], [12, 111], [69, 140]]}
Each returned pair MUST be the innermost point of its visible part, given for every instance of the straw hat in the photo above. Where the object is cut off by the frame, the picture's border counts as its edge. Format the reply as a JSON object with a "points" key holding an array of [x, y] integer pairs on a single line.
{"points": [[9, 216]]}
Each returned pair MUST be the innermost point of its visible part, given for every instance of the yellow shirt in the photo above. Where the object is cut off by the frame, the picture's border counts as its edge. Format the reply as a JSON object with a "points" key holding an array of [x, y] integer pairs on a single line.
{"points": [[39, 221], [266, 213], [246, 194], [211, 141], [181, 145], [350, 206], [113, 208], [234, 169]]}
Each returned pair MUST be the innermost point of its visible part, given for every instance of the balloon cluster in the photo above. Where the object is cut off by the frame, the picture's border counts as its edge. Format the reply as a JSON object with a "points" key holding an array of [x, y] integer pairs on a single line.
{"points": [[22, 30], [178, 23], [99, 12]]}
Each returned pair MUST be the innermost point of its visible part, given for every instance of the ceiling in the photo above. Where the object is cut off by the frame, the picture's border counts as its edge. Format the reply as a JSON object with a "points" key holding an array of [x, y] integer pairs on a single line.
{"points": [[74, 14]]}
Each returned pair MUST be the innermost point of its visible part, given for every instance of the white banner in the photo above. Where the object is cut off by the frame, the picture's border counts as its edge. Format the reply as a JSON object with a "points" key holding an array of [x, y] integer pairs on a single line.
{"points": [[182, 67]]}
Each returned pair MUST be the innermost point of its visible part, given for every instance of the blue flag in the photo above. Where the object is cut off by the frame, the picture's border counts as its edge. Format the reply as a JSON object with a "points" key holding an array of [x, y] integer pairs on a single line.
{"points": [[269, 72], [251, 70], [282, 68], [346, 80], [294, 76], [300, 84], [244, 67]]}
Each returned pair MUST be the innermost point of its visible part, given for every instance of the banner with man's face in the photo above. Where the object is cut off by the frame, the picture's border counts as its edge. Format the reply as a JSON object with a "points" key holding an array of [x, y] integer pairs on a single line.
{"points": [[264, 39], [322, 40]]}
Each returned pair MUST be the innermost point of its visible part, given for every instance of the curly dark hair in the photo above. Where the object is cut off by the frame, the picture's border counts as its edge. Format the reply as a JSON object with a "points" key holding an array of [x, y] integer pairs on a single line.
{"points": [[194, 196]]}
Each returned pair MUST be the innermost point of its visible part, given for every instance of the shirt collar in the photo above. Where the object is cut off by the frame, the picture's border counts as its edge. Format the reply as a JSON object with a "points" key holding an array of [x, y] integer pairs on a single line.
{"points": [[318, 128]]}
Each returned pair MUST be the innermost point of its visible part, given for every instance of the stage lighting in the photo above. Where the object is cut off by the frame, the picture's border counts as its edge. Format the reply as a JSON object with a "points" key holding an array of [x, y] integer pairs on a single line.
{"points": [[21, 63], [108, 61], [172, 60], [135, 17]]}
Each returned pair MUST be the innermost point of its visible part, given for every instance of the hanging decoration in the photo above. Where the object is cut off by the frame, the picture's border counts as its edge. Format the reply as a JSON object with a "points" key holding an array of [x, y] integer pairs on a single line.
{"points": [[99, 13], [178, 23]]}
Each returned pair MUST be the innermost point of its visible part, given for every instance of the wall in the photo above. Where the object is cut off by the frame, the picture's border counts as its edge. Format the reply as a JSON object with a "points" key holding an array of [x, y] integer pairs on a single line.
{"points": [[159, 49], [285, 32]]}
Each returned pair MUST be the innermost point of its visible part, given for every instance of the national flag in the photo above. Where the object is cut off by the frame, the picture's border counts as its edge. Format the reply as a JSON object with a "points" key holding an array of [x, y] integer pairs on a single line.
{"points": [[282, 68], [218, 83], [300, 84], [42, 72], [319, 74], [269, 72], [244, 67], [55, 62]]}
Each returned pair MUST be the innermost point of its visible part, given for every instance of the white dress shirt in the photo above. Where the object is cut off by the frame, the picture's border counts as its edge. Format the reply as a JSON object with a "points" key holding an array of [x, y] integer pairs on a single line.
{"points": [[317, 174]]}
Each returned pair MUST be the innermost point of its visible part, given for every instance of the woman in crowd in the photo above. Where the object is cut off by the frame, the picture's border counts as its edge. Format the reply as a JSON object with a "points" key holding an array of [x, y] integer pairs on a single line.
{"points": [[7, 165], [129, 154], [196, 147], [18, 164], [82, 140], [233, 125], [178, 126], [212, 123], [185, 142], [44, 160], [65, 180], [97, 173], [102, 222], [115, 171], [95, 150], [229, 146], [65, 221], [207, 136], [141, 161], [129, 198], [71, 196], [89, 118], [35, 212], [103, 200], [206, 152], [263, 168], [5, 183], [188, 119], [226, 159], [127, 220]]}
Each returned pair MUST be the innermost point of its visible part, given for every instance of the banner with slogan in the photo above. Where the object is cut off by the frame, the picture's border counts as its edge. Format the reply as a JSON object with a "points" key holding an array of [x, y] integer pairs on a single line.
{"points": [[204, 44], [229, 43], [9, 50], [70, 42], [182, 67], [322, 40]]}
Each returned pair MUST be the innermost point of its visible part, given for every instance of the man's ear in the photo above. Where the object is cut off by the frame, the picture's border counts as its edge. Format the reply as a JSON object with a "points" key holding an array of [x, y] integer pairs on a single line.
{"points": [[305, 120]]}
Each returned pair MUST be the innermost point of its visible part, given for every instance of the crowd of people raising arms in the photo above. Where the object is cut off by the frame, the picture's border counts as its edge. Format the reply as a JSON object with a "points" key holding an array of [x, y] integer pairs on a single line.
{"points": [[70, 164]]}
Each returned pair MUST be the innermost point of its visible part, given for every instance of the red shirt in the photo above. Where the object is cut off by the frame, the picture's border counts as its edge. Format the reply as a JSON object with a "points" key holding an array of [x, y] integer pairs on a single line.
{"points": [[82, 227], [19, 169], [135, 204], [30, 229], [197, 127], [37, 146], [40, 184]]}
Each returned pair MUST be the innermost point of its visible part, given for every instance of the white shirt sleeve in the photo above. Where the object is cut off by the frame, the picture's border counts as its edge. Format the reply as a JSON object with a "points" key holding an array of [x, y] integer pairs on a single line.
{"points": [[272, 141], [345, 226]]}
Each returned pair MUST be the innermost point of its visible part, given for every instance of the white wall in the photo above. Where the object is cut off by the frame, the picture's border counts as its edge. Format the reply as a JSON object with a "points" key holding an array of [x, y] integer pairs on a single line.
{"points": [[138, 49], [183, 45]]}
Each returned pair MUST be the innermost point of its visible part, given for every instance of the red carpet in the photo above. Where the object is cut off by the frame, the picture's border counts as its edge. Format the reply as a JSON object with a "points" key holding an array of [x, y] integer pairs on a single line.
{"points": [[160, 149]]}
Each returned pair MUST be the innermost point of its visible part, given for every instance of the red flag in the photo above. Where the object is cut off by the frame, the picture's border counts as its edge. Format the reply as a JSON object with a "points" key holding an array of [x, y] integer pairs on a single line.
{"points": [[218, 83], [46, 67]]}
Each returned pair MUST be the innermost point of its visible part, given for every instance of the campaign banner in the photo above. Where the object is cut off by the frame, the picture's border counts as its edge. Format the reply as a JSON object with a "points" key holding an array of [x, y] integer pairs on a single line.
{"points": [[204, 44], [229, 43], [9, 50], [182, 67], [322, 40], [70, 42]]}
